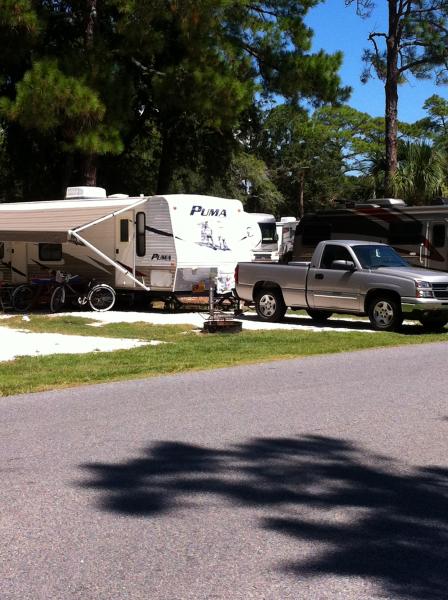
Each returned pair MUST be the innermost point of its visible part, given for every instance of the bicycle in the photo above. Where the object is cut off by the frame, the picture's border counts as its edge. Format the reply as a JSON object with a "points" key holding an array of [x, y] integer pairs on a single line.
{"points": [[99, 296]]}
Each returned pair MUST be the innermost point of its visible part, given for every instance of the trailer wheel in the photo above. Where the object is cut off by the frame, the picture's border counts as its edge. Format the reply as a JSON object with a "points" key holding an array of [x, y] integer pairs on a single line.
{"points": [[270, 305], [385, 313], [101, 297], [320, 316], [433, 322]]}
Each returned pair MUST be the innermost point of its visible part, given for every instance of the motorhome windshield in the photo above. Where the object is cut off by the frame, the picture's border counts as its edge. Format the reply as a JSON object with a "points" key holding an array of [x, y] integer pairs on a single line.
{"points": [[268, 232], [376, 256]]}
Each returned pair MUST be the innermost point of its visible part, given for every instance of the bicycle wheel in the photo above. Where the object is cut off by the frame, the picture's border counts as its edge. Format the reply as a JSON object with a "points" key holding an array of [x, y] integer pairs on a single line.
{"points": [[57, 299], [101, 297], [22, 297]]}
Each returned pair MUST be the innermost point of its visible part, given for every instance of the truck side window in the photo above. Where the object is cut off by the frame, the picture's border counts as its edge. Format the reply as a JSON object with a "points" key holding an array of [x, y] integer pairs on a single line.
{"points": [[332, 253]]}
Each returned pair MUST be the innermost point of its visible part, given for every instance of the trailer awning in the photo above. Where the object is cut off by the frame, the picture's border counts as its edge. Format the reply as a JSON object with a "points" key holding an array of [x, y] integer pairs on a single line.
{"points": [[51, 222]]}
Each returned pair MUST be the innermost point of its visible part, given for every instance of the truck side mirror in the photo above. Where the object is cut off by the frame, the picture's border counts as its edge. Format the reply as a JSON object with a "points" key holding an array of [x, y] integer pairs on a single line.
{"points": [[343, 265]]}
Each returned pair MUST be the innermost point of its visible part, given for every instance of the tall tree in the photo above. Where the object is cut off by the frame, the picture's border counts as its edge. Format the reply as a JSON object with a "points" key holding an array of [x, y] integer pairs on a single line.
{"points": [[414, 43], [203, 64]]}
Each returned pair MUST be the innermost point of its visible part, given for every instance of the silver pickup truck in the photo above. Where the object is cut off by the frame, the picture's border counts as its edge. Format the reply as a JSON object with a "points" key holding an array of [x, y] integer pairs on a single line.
{"points": [[345, 276]]}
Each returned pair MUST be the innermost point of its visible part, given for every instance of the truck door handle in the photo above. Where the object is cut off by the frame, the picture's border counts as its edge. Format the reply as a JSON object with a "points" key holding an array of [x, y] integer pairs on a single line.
{"points": [[319, 276]]}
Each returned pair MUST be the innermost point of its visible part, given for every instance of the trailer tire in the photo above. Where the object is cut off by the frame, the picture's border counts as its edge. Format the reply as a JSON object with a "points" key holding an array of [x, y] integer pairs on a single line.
{"points": [[320, 316], [101, 297], [385, 313], [270, 305], [433, 322]]}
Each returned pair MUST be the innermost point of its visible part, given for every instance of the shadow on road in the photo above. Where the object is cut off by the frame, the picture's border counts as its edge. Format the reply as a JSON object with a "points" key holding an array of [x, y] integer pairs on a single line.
{"points": [[364, 516]]}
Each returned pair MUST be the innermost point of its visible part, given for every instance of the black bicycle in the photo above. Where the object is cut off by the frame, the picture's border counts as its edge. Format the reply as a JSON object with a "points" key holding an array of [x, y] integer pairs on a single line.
{"points": [[99, 296]]}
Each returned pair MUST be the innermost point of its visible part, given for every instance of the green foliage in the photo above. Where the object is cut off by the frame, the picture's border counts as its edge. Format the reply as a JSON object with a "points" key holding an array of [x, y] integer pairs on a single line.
{"points": [[422, 174], [46, 98]]}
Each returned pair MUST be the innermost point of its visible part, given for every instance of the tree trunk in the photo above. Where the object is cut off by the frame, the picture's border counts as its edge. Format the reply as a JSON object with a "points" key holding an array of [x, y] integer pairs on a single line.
{"points": [[391, 95], [88, 169], [166, 162], [301, 180]]}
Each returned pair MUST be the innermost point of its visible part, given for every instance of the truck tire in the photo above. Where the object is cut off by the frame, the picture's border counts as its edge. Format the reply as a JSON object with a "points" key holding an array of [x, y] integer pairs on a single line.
{"points": [[433, 322], [270, 305], [320, 316], [385, 313]]}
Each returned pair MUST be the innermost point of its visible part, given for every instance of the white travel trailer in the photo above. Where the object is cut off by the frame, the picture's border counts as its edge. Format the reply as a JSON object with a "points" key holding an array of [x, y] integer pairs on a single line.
{"points": [[266, 248], [164, 245]]}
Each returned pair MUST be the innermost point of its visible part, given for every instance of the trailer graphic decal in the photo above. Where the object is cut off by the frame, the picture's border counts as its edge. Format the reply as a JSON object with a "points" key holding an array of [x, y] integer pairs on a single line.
{"points": [[160, 232], [208, 212]]}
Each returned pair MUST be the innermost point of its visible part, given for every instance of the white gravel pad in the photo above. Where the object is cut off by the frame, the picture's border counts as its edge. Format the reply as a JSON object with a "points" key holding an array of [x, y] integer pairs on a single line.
{"points": [[14, 342]]}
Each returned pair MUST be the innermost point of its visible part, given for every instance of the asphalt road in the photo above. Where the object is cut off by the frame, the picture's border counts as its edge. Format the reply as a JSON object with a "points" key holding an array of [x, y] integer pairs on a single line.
{"points": [[321, 478]]}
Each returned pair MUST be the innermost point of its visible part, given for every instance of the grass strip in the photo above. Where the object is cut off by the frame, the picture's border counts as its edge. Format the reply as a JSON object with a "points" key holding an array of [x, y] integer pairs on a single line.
{"points": [[188, 350]]}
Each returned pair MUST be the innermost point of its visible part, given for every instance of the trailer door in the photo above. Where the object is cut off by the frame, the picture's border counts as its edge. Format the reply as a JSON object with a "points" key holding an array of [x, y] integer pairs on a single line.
{"points": [[19, 262], [436, 253], [125, 248]]}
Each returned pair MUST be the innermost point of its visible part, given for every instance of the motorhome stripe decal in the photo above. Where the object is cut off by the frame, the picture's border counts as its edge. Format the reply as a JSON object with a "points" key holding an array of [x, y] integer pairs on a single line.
{"points": [[160, 232]]}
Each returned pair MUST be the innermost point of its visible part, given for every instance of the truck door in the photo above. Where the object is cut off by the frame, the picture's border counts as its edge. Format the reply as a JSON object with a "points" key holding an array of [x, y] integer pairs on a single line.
{"points": [[435, 255], [333, 288], [125, 248]]}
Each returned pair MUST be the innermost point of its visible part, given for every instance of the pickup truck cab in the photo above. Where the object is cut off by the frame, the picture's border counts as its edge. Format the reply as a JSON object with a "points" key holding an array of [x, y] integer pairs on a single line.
{"points": [[347, 276]]}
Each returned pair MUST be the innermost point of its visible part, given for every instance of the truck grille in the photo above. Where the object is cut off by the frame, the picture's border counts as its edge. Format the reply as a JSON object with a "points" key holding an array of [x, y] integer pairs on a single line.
{"points": [[440, 290]]}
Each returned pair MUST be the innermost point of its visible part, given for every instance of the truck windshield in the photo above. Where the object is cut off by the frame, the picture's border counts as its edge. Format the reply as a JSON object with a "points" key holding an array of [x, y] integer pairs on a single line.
{"points": [[375, 256]]}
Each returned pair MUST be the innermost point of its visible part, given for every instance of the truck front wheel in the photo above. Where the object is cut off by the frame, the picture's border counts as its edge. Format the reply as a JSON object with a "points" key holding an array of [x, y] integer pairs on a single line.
{"points": [[433, 322], [270, 305], [385, 313]]}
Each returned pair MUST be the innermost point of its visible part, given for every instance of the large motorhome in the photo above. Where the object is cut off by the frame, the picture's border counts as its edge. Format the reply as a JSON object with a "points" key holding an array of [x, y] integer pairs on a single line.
{"points": [[171, 244], [418, 233]]}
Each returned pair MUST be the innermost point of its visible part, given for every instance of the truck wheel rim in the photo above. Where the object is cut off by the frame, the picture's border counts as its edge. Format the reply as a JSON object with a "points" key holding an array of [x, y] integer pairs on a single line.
{"points": [[383, 313], [267, 305]]}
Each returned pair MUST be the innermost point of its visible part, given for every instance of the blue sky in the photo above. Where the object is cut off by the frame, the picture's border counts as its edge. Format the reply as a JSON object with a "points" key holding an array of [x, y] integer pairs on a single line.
{"points": [[337, 27]]}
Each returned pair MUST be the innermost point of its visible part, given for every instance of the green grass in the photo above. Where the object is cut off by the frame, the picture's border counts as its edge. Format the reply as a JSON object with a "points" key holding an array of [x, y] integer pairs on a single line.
{"points": [[186, 350]]}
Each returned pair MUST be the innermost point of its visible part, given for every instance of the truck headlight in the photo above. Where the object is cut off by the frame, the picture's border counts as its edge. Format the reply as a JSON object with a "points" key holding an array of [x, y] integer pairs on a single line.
{"points": [[423, 289]]}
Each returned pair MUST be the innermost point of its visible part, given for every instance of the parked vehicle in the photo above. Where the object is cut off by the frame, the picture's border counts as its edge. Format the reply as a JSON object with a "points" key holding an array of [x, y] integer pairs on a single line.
{"points": [[417, 233], [265, 247], [286, 229], [356, 277], [160, 245]]}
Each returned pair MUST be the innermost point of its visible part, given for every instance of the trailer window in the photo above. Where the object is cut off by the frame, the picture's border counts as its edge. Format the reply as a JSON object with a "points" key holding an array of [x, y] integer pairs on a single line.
{"points": [[50, 252], [405, 233], [141, 234], [2, 250], [438, 235], [268, 233], [124, 230]]}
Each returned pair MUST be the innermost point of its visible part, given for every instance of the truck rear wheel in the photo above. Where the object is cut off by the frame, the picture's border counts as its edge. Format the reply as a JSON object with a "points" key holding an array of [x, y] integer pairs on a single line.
{"points": [[385, 313], [320, 316], [270, 305], [433, 322]]}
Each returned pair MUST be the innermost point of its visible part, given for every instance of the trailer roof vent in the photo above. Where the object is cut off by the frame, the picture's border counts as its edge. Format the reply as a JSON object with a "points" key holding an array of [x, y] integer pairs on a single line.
{"points": [[85, 192], [118, 196]]}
